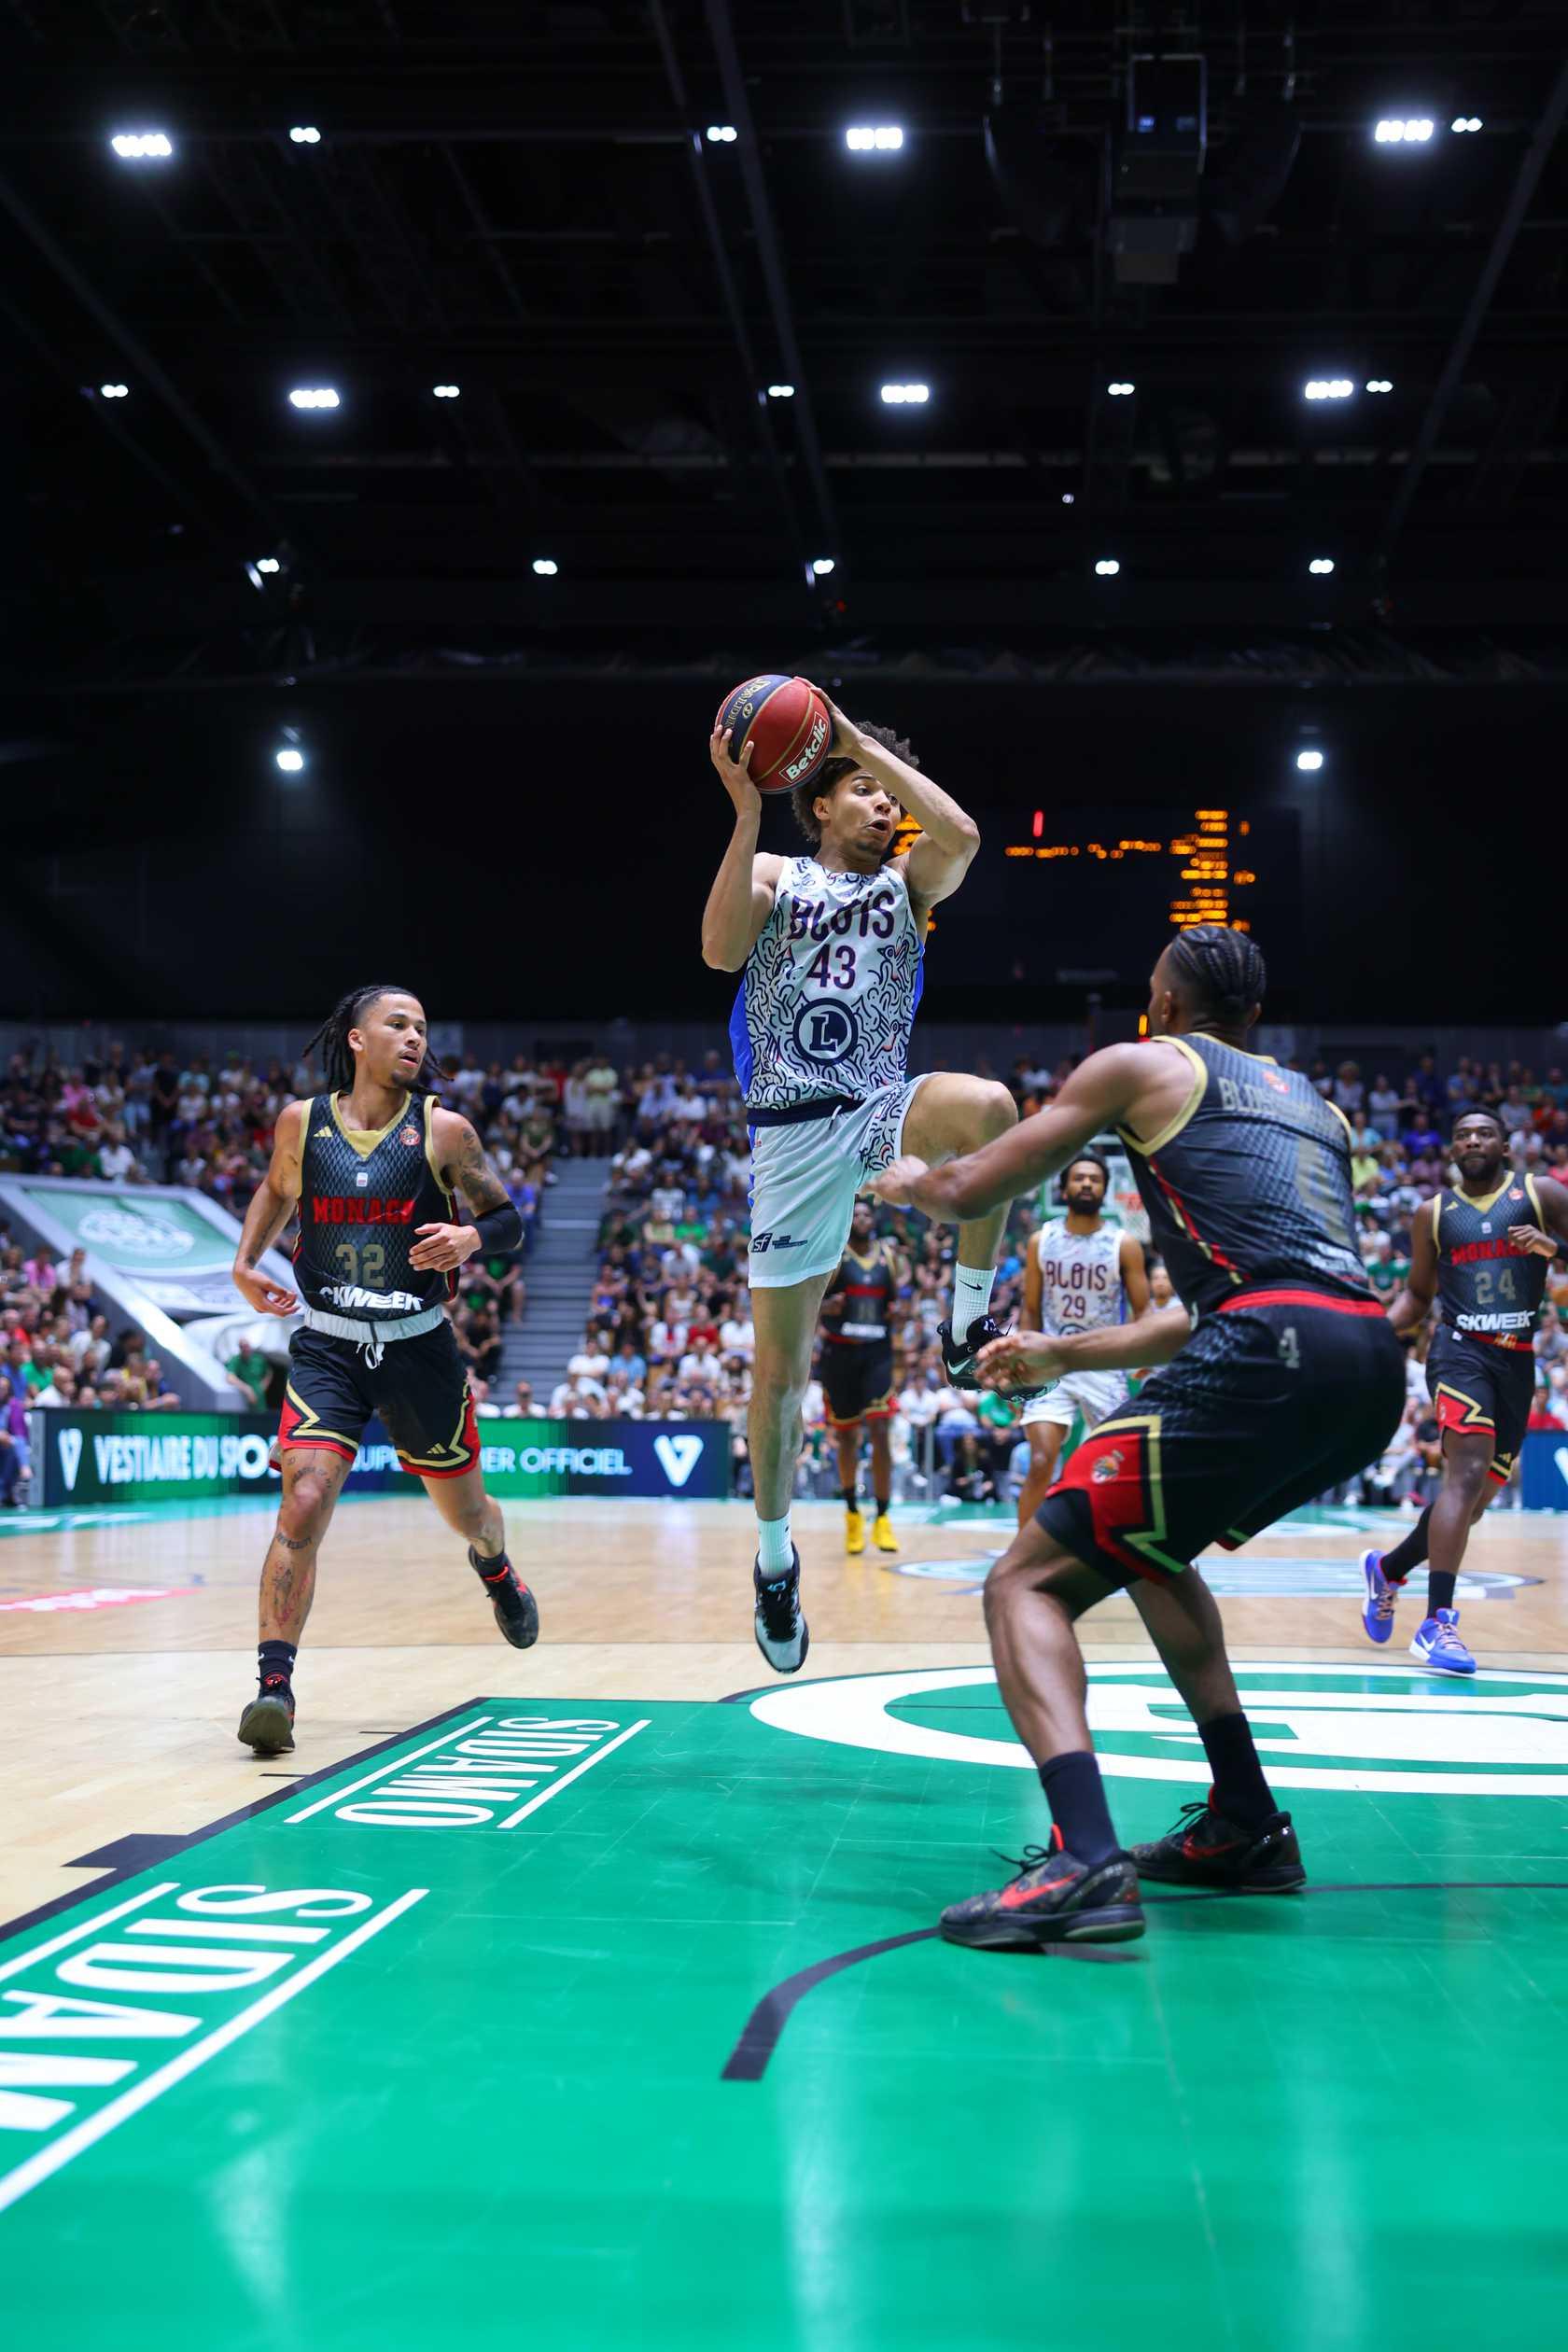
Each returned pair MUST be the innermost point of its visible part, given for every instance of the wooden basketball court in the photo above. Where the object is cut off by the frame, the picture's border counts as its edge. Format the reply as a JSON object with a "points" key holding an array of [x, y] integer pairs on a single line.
{"points": [[546, 1991]]}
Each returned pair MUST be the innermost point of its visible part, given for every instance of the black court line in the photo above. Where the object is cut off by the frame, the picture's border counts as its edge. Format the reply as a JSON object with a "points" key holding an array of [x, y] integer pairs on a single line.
{"points": [[147, 1848], [748, 2062]]}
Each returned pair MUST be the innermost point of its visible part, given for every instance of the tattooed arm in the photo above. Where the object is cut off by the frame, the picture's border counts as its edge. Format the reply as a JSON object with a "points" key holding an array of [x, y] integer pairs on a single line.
{"points": [[268, 1212], [497, 1225]]}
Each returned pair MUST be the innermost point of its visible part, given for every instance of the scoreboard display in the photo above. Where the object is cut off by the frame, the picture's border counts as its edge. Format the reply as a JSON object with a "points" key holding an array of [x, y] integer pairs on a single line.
{"points": [[1087, 896]]}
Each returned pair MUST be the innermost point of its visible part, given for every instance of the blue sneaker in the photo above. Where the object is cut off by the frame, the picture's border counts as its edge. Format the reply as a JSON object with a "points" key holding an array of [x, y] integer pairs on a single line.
{"points": [[1376, 1615], [1438, 1646]]}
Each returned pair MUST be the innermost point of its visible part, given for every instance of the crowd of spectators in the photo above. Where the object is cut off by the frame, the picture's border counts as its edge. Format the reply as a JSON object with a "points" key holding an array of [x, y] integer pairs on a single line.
{"points": [[669, 1332]]}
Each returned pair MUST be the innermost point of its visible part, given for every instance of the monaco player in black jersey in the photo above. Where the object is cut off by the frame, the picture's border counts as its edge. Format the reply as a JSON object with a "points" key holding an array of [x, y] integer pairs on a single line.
{"points": [[373, 1165], [1281, 1377], [857, 1367], [1482, 1252]]}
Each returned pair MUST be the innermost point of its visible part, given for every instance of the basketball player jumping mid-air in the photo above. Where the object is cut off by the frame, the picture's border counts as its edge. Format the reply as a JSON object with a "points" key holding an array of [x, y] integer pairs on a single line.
{"points": [[1482, 1252], [856, 1367], [1080, 1275], [831, 945], [1281, 1377], [372, 1164]]}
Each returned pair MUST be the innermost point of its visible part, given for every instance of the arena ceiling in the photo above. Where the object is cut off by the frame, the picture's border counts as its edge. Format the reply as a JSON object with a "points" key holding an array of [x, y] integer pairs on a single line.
{"points": [[524, 202]]}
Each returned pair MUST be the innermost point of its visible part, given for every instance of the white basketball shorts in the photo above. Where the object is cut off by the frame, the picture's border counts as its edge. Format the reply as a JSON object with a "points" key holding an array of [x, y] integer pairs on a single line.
{"points": [[1095, 1395], [805, 1180]]}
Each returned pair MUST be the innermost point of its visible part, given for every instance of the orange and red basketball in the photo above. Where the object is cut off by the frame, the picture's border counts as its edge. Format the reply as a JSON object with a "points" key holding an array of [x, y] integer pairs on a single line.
{"points": [[787, 723]]}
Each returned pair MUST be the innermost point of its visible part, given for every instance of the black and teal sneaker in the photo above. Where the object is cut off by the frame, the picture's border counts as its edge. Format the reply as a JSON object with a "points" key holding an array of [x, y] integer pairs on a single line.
{"points": [[958, 1358], [1205, 1849], [1054, 1899]]}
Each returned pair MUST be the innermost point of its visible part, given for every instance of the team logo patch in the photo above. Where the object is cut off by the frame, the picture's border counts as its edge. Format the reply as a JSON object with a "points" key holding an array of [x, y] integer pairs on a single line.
{"points": [[1280, 1084], [826, 1032], [1109, 1466], [409, 1134]]}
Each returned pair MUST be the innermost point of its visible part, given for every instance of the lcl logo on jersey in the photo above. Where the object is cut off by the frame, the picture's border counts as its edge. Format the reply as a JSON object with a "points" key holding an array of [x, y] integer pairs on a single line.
{"points": [[826, 1032]]}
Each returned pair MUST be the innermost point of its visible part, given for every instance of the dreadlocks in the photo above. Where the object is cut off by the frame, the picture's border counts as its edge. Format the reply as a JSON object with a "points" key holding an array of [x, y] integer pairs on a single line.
{"points": [[1224, 971], [338, 1054], [834, 772]]}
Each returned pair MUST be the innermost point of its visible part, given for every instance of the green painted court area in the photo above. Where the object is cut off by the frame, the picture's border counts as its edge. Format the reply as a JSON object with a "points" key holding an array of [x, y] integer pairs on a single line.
{"points": [[469, 2043]]}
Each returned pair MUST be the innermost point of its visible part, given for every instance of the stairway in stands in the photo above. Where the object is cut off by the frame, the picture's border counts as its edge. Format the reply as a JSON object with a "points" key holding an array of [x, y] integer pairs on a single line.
{"points": [[560, 1279]]}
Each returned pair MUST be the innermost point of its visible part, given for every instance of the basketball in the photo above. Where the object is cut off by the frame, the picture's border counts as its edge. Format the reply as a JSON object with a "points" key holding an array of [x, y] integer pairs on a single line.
{"points": [[788, 723]]}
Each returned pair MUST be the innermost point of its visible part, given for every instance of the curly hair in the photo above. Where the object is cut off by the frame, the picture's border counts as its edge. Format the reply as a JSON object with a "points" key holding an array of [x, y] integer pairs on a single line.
{"points": [[338, 1054], [833, 772]]}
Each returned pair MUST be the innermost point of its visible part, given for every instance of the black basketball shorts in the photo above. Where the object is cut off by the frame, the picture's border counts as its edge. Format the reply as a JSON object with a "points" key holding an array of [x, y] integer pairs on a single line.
{"points": [[1478, 1385], [856, 1381], [1278, 1396], [419, 1390]]}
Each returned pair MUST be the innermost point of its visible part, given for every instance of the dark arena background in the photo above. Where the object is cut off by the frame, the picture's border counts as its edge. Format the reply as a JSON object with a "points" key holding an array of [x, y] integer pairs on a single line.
{"points": [[418, 416]]}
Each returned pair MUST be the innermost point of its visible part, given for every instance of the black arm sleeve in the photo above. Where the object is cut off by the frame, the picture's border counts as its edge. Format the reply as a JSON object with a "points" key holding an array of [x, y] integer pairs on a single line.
{"points": [[499, 1229]]}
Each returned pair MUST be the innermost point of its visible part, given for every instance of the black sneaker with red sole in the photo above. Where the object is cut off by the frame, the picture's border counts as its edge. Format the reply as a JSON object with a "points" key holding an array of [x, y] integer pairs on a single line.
{"points": [[267, 1724], [1205, 1849], [516, 1610], [1054, 1899]]}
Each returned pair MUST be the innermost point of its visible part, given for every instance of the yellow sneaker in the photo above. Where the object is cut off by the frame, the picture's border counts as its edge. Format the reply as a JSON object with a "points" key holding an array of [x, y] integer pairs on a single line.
{"points": [[854, 1533], [882, 1534]]}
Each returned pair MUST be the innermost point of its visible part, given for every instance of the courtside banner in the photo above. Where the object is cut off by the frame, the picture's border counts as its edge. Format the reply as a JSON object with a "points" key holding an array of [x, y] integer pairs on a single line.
{"points": [[85, 1458]]}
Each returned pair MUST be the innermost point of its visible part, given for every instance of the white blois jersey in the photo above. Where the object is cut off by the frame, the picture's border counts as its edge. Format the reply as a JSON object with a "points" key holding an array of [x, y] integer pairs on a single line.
{"points": [[828, 997], [1080, 1278]]}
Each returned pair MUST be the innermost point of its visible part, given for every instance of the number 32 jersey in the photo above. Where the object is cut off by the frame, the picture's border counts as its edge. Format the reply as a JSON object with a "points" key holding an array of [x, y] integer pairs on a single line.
{"points": [[828, 997]]}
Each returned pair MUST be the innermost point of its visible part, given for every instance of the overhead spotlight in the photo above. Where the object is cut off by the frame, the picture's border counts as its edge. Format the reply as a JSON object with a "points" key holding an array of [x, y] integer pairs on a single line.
{"points": [[884, 139], [1379, 383], [1309, 761], [268, 564], [1107, 567], [898, 395], [546, 566], [305, 134], [113, 391], [446, 391], [1416, 132], [821, 566], [1465, 122], [288, 757], [1067, 497], [1321, 564], [721, 134], [781, 391], [142, 145], [314, 397], [1120, 391], [1328, 388]]}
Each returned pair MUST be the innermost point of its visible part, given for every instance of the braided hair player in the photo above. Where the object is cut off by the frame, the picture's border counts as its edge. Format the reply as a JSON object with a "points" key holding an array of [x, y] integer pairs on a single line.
{"points": [[1281, 1377], [373, 1165]]}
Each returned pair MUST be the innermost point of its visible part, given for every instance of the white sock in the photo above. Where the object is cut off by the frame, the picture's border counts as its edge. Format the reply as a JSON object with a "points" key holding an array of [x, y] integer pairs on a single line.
{"points": [[775, 1552], [971, 1295]]}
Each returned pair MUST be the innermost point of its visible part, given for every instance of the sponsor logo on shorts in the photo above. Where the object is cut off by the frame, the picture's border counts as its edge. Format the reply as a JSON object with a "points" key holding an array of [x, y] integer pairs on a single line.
{"points": [[354, 1294], [768, 1240], [1109, 1466], [826, 1032]]}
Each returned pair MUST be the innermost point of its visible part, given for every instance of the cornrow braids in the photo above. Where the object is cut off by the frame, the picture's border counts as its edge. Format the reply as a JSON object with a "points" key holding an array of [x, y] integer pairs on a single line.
{"points": [[1223, 969], [338, 1054], [834, 772]]}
